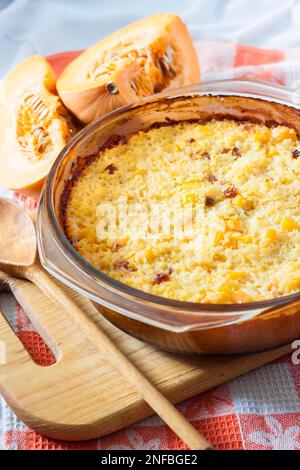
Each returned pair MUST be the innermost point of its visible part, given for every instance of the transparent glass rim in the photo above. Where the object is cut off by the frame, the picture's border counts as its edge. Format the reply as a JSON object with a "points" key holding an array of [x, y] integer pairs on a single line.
{"points": [[262, 90]]}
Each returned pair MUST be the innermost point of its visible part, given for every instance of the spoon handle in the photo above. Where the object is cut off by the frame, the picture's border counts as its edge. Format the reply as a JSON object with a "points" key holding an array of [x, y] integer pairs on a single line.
{"points": [[155, 399]]}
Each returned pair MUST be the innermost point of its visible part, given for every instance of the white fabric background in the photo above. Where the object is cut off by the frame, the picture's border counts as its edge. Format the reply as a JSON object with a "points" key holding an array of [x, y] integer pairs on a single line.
{"points": [[49, 26]]}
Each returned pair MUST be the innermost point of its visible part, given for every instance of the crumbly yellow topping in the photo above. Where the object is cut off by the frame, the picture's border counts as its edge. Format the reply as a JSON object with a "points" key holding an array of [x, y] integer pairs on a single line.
{"points": [[241, 182]]}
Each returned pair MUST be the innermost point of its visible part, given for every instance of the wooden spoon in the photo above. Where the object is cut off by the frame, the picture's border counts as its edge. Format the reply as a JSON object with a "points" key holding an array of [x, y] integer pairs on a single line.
{"points": [[17, 236], [18, 258]]}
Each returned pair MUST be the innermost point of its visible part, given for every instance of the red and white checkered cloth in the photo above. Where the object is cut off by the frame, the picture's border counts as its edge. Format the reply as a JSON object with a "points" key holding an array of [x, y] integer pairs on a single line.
{"points": [[260, 410]]}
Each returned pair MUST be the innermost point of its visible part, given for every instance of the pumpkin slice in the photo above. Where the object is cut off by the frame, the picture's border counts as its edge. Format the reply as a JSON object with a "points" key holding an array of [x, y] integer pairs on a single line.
{"points": [[146, 57], [35, 125]]}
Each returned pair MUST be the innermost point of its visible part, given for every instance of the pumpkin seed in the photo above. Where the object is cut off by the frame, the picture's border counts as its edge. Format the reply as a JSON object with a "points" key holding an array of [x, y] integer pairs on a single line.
{"points": [[112, 88]]}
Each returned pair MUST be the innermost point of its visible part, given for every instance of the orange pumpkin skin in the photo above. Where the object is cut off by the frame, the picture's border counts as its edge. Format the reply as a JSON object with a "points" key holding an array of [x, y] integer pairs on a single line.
{"points": [[148, 56], [35, 124]]}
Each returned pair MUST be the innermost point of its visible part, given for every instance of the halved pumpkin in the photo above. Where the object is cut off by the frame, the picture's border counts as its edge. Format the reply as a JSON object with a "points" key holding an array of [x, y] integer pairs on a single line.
{"points": [[35, 125], [146, 57]]}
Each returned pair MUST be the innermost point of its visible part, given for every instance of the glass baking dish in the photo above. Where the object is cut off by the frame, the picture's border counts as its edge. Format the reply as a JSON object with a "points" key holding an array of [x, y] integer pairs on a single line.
{"points": [[170, 324]]}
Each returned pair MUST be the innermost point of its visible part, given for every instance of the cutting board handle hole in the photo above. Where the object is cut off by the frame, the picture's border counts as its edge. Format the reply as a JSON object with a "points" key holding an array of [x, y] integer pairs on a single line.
{"points": [[20, 324]]}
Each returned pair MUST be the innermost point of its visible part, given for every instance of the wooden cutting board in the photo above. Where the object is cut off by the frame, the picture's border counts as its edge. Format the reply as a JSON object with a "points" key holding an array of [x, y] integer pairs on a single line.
{"points": [[82, 396]]}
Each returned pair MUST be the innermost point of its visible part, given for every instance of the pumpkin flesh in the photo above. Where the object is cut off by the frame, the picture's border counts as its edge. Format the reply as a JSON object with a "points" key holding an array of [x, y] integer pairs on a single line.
{"points": [[146, 57], [35, 124]]}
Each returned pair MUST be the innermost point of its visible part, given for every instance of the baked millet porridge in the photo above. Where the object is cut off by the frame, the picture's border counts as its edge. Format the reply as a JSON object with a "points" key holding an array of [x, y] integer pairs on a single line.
{"points": [[241, 179]]}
